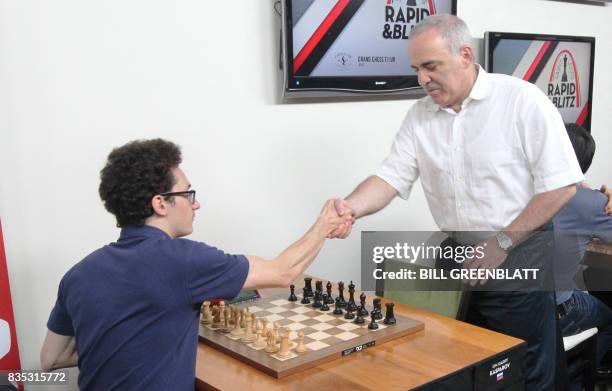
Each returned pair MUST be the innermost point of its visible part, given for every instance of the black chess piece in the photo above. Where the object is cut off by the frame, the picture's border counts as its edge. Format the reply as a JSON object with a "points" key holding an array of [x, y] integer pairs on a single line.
{"points": [[341, 294], [317, 300], [308, 287], [349, 314], [362, 305], [373, 325], [319, 286], [338, 309], [305, 299], [377, 309], [359, 319], [389, 317], [330, 299], [324, 306], [351, 302], [292, 296]]}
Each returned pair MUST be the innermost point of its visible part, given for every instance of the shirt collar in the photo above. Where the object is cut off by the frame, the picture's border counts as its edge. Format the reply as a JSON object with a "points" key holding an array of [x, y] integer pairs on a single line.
{"points": [[141, 231], [480, 90]]}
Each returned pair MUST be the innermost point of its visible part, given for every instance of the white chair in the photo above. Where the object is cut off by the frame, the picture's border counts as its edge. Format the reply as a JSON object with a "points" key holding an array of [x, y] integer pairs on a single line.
{"points": [[580, 353]]}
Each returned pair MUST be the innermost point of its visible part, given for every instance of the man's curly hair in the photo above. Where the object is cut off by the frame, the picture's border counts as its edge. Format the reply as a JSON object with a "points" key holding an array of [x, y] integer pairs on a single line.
{"points": [[134, 174]]}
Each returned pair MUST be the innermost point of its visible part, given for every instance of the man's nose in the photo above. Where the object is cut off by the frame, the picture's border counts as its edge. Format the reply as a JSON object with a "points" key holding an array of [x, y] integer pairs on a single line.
{"points": [[196, 205], [423, 78]]}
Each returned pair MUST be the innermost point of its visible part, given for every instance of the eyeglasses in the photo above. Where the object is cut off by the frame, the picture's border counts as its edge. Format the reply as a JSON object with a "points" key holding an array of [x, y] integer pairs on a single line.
{"points": [[189, 194]]}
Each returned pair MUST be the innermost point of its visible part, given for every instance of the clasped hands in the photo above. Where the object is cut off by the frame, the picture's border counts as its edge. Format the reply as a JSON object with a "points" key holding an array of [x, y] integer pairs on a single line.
{"points": [[338, 218]]}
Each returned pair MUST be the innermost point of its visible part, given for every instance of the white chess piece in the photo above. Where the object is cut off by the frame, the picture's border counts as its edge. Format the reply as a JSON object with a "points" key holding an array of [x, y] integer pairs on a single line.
{"points": [[5, 338]]}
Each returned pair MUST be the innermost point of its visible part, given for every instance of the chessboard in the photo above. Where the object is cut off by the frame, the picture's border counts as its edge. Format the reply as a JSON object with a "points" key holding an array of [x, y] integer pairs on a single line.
{"points": [[325, 336]]}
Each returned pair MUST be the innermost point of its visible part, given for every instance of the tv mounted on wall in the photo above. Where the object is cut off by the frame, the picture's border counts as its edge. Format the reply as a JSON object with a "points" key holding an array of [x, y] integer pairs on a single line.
{"points": [[560, 65], [352, 47]]}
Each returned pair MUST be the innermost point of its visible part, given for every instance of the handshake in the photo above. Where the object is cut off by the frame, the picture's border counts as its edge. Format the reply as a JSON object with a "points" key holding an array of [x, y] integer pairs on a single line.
{"points": [[336, 219]]}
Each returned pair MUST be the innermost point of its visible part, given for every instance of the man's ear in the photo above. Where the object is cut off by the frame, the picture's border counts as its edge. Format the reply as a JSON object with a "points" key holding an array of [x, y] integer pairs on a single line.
{"points": [[467, 54], [159, 205]]}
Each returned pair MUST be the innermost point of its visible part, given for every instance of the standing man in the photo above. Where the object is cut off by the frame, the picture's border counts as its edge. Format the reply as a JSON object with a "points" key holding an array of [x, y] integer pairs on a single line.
{"points": [[128, 313], [493, 155]]}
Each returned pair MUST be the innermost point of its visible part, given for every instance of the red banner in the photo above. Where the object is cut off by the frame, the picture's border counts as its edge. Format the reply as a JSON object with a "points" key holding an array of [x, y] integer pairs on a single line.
{"points": [[9, 351]]}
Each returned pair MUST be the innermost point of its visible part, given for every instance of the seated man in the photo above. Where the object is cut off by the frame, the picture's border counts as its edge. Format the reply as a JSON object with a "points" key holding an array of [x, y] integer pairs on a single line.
{"points": [[128, 313], [582, 219]]}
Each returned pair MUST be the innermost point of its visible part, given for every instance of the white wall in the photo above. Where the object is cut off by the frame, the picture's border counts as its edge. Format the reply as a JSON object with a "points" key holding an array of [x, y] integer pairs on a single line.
{"points": [[80, 77]]}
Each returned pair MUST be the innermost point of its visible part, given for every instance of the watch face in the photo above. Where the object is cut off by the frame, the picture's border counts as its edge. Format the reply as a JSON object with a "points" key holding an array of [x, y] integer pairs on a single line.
{"points": [[504, 241]]}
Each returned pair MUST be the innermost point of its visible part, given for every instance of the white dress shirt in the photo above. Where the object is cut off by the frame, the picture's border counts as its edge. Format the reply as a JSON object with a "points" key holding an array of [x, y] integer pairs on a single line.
{"points": [[480, 167]]}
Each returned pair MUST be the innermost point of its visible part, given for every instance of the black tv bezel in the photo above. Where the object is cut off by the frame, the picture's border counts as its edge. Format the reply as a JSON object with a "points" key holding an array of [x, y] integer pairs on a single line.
{"points": [[339, 85], [493, 37]]}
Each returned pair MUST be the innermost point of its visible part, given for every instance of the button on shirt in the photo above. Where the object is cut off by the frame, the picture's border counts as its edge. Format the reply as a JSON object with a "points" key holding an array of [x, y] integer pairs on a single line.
{"points": [[480, 167], [133, 307]]}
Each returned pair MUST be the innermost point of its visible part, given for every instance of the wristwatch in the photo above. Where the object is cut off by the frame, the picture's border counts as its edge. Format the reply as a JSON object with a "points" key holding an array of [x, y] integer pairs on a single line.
{"points": [[504, 241]]}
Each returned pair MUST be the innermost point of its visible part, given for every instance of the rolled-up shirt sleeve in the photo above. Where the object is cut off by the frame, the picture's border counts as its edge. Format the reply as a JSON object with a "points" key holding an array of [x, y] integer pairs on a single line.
{"points": [[546, 144]]}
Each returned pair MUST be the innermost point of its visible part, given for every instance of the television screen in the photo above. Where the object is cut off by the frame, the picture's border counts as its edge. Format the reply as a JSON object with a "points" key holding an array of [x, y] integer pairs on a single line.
{"points": [[561, 66], [354, 46]]}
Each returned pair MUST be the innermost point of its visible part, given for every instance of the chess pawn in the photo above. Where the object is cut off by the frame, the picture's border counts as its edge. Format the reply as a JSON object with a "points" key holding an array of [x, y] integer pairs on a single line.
{"points": [[362, 305], [237, 331], [260, 342], [284, 345], [301, 348], [271, 346], [349, 313], [264, 326], [219, 322], [226, 324], [338, 309], [248, 336], [377, 309], [359, 319], [324, 306], [373, 325], [254, 323], [292, 296], [243, 315]]}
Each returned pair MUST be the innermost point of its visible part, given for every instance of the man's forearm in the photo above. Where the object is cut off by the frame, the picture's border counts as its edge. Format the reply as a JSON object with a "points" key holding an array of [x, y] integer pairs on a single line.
{"points": [[372, 195], [540, 210]]}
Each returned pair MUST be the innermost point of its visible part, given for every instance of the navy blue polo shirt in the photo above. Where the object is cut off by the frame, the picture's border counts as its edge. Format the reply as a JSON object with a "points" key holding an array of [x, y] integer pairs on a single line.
{"points": [[133, 307]]}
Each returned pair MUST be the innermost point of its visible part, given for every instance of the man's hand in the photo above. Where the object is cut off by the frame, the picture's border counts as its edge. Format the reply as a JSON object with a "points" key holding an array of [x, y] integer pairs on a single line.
{"points": [[343, 210], [333, 221], [494, 256], [608, 192]]}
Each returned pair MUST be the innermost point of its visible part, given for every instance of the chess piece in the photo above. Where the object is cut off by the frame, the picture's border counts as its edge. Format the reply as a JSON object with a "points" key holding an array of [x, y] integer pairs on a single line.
{"points": [[349, 314], [206, 313], [319, 287], [373, 325], [305, 299], [284, 345], [351, 301], [243, 315], [308, 286], [292, 296], [359, 319], [248, 336], [271, 346], [317, 300], [389, 317], [218, 321], [254, 323], [301, 348], [260, 342], [338, 309], [341, 294], [362, 305], [377, 309], [264, 326], [330, 299], [237, 331], [324, 306], [226, 321], [275, 331]]}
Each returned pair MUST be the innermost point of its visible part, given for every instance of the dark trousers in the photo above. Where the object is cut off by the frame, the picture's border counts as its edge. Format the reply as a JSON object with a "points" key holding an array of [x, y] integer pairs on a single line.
{"points": [[582, 312], [529, 316]]}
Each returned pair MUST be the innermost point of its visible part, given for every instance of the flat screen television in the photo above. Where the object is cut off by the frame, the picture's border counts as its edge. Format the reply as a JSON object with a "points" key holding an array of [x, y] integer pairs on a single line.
{"points": [[356, 47], [560, 65]]}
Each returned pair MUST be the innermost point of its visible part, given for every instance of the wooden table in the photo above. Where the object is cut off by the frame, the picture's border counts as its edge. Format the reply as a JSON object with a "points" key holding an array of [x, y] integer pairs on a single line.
{"points": [[445, 351]]}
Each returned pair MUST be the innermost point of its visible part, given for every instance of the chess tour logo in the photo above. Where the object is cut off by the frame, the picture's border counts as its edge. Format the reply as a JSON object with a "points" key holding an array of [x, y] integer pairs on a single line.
{"points": [[402, 15], [564, 85], [498, 369]]}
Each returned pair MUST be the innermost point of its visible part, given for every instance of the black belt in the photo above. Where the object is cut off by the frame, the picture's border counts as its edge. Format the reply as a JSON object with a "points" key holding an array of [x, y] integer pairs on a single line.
{"points": [[562, 309]]}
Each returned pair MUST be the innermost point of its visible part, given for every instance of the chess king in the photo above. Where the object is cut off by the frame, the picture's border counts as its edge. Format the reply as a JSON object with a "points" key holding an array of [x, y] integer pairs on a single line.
{"points": [[127, 314]]}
